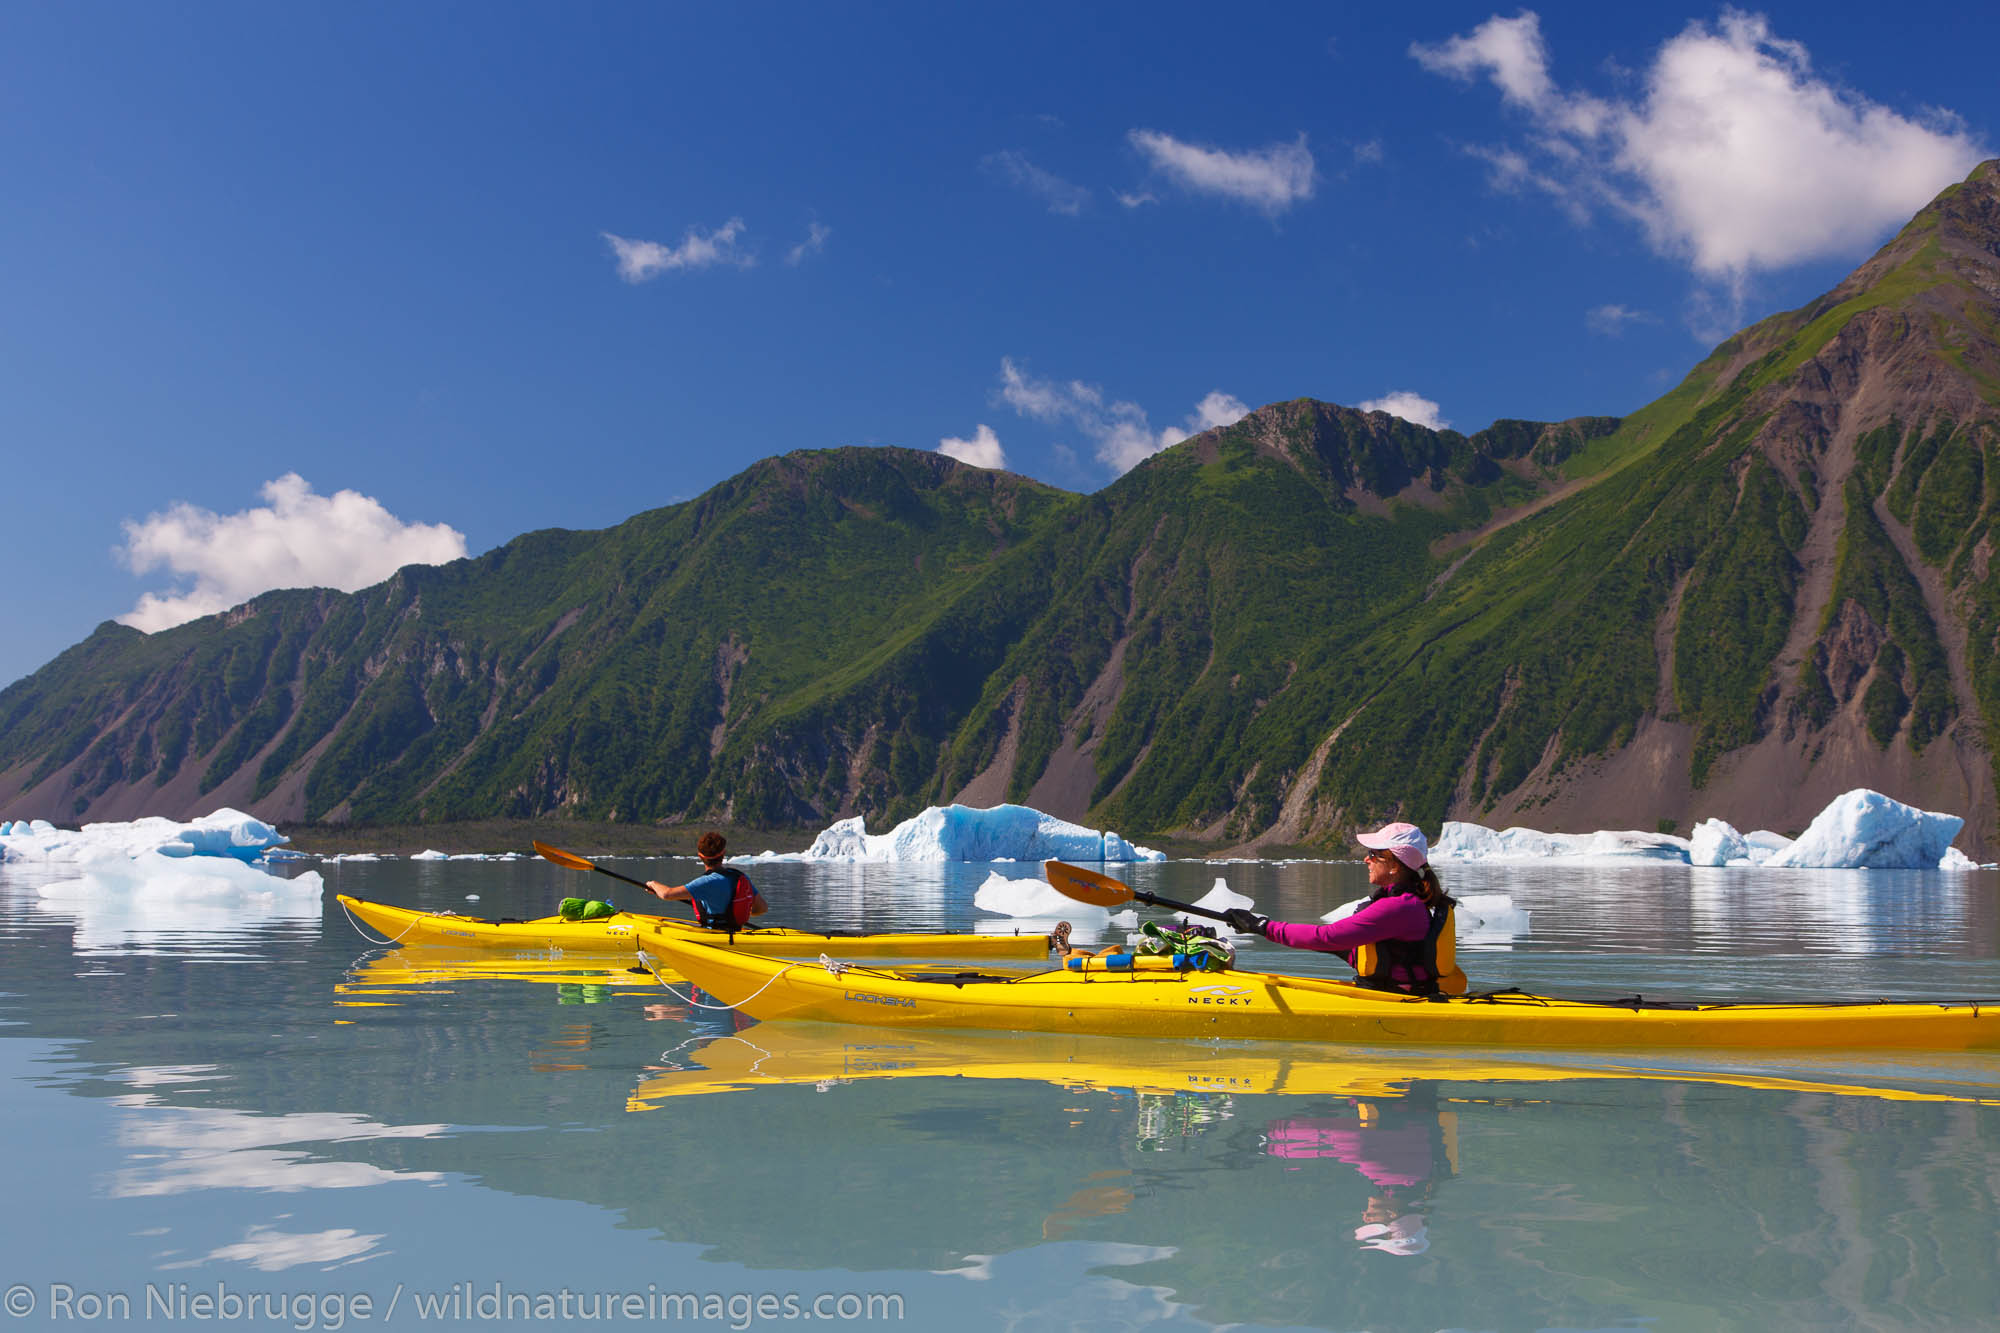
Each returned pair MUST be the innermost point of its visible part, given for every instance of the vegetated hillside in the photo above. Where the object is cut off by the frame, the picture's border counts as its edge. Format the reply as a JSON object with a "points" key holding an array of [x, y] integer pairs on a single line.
{"points": [[1767, 587], [623, 674], [1763, 589]]}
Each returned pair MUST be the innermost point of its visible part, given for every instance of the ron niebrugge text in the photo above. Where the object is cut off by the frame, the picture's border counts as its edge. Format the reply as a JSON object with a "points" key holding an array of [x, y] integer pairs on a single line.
{"points": [[309, 1311]]}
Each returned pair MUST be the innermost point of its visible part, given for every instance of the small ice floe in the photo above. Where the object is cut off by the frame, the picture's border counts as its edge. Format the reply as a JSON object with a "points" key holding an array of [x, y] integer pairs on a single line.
{"points": [[225, 833], [472, 897], [1033, 898], [119, 903], [353, 858], [430, 854], [962, 833]]}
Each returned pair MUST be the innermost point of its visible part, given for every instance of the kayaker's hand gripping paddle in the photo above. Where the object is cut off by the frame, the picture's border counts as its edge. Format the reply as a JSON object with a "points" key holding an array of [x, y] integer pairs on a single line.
{"points": [[1087, 886]]}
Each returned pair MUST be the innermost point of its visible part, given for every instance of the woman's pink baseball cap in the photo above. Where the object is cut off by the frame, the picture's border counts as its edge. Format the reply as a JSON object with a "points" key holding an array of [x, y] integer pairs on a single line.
{"points": [[1405, 840]]}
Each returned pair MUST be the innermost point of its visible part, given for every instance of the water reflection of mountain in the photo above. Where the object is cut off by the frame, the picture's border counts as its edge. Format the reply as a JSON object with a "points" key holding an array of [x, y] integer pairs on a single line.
{"points": [[1575, 1201]]}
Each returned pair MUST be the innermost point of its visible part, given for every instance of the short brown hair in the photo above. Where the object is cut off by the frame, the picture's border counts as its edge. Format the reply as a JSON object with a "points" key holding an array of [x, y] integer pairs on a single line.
{"points": [[711, 846]]}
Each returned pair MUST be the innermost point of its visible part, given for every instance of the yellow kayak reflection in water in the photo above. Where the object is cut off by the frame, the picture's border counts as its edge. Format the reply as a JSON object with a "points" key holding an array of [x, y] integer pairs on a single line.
{"points": [[413, 969], [769, 1054]]}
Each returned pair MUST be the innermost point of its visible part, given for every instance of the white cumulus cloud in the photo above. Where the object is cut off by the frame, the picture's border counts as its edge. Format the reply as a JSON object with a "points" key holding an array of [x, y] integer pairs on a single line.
{"points": [[1119, 431], [1272, 178], [1736, 156], [982, 450], [297, 539], [1409, 406], [640, 260]]}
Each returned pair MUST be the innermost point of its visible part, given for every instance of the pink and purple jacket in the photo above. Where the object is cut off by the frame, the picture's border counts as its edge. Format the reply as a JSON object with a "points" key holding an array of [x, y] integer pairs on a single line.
{"points": [[1395, 916]]}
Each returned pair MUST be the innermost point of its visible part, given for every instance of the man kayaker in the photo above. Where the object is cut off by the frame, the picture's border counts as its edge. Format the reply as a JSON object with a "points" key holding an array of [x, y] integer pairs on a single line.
{"points": [[1402, 938], [723, 897]]}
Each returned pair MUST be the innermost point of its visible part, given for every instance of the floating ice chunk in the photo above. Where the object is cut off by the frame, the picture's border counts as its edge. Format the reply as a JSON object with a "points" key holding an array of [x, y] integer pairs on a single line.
{"points": [[349, 857], [1475, 842], [1033, 898], [123, 903], [1221, 898], [1865, 830], [1716, 844], [962, 833], [430, 854], [1489, 915], [1954, 859], [229, 833]]}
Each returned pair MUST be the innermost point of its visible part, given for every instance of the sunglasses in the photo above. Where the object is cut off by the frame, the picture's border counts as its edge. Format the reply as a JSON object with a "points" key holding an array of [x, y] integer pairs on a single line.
{"points": [[1379, 856]]}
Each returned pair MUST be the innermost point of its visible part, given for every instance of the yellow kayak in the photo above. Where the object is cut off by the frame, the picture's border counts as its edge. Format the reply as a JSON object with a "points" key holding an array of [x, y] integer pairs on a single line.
{"points": [[810, 1053], [1270, 1006], [618, 934]]}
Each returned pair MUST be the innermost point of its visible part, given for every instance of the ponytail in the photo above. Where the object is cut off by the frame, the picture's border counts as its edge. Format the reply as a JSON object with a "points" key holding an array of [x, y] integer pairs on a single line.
{"points": [[1430, 888], [1423, 883]]}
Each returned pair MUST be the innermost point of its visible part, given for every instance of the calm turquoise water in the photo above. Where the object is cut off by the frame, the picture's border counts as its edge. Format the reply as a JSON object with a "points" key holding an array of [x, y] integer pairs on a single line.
{"points": [[274, 1111]]}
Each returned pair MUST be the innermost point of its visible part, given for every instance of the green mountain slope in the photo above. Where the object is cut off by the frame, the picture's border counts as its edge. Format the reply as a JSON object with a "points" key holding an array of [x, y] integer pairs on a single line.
{"points": [[1764, 588]]}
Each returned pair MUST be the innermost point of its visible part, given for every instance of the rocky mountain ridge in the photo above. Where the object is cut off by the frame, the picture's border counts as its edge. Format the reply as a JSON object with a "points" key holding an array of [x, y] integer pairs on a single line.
{"points": [[1768, 586]]}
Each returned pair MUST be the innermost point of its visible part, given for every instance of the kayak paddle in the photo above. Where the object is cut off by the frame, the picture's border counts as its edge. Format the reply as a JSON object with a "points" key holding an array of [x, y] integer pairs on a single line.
{"points": [[572, 861], [1087, 886]]}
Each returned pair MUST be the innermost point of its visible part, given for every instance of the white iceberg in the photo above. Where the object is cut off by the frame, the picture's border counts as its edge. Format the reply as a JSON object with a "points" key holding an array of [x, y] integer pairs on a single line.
{"points": [[962, 833], [1476, 842], [1865, 829], [225, 833], [1715, 843], [1860, 830], [120, 904], [430, 854]]}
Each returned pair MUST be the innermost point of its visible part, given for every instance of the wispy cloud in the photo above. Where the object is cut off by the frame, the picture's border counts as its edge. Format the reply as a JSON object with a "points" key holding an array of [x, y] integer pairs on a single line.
{"points": [[1272, 178], [1119, 431], [815, 241], [1611, 320], [1737, 156], [982, 450], [639, 261], [1016, 170], [297, 539], [1409, 406]]}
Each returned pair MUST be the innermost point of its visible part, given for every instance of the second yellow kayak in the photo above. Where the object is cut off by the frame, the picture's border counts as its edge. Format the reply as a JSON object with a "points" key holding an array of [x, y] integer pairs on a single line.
{"points": [[619, 934]]}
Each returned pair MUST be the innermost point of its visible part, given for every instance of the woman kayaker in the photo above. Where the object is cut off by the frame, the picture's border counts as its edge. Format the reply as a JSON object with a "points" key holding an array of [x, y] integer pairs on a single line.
{"points": [[1402, 938], [723, 898]]}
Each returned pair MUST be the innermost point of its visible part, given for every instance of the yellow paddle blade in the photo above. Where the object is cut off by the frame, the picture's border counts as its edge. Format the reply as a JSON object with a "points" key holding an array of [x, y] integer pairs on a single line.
{"points": [[1086, 886], [561, 857]]}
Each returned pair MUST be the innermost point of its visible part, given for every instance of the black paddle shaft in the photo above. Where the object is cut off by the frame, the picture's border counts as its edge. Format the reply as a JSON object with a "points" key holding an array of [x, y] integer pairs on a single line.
{"points": [[635, 883]]}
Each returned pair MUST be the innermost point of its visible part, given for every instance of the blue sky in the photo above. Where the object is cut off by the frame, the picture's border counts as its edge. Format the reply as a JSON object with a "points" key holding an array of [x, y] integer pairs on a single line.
{"points": [[493, 268]]}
